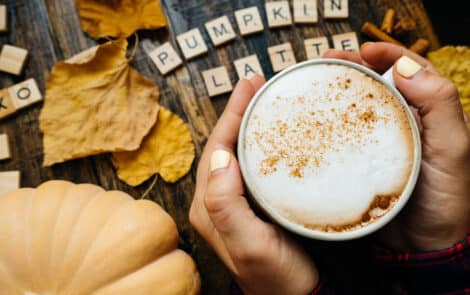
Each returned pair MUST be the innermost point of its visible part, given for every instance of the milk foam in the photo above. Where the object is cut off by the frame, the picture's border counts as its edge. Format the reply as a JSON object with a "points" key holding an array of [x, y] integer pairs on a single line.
{"points": [[323, 142]]}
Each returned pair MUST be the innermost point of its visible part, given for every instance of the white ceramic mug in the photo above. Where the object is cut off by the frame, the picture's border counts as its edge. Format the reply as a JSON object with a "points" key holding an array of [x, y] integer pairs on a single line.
{"points": [[387, 80]]}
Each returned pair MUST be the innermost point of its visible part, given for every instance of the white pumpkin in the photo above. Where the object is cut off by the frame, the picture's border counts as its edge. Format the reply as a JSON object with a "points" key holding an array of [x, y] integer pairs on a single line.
{"points": [[67, 239]]}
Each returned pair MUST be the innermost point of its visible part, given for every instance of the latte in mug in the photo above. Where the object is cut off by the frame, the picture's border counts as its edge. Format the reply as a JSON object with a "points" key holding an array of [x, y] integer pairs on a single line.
{"points": [[328, 148]]}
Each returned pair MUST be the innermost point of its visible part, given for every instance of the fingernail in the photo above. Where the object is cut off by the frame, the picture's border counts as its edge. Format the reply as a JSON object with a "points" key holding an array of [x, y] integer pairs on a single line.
{"points": [[366, 44], [220, 159], [407, 67]]}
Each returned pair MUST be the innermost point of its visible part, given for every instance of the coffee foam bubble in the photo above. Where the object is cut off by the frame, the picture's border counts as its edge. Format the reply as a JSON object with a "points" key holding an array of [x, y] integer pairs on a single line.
{"points": [[328, 147]]}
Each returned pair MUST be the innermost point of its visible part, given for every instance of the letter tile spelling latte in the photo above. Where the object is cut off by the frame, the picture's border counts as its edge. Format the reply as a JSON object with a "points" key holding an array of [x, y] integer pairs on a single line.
{"points": [[248, 67], [316, 47], [328, 147], [282, 56], [217, 81]]}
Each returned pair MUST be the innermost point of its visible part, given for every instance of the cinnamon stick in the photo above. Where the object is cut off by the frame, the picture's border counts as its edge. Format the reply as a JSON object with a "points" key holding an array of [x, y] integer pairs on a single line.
{"points": [[388, 22], [404, 26], [421, 46], [375, 33]]}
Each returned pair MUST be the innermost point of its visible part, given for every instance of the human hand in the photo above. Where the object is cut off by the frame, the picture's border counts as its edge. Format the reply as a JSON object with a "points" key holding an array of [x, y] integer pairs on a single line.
{"points": [[262, 258], [438, 213]]}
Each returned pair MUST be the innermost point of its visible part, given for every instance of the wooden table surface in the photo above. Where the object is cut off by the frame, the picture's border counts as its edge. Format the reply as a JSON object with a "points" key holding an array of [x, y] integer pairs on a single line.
{"points": [[50, 30]]}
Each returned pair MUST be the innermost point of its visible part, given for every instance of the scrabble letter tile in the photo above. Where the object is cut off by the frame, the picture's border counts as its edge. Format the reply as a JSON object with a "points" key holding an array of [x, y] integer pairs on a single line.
{"points": [[336, 8], [281, 56], [3, 18], [248, 67], [278, 14], [6, 105], [220, 30], [9, 181], [217, 81], [25, 93], [4, 147], [12, 59], [192, 44], [346, 41], [305, 11], [249, 20], [316, 47], [165, 58]]}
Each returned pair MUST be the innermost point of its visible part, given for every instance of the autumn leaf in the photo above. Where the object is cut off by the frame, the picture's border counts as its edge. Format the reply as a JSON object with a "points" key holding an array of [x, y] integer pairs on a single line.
{"points": [[453, 62], [168, 150], [96, 103], [119, 18]]}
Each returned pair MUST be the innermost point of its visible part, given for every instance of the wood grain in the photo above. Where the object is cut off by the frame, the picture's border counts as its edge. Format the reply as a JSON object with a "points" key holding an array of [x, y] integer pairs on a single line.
{"points": [[50, 30]]}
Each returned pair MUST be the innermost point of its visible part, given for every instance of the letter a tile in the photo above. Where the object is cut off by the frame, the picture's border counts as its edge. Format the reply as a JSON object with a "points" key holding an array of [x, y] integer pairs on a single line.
{"points": [[248, 67], [220, 30], [217, 81], [191, 43]]}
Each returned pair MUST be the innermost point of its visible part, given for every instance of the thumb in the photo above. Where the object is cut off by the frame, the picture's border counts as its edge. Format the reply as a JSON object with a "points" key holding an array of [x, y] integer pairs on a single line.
{"points": [[438, 105], [228, 209]]}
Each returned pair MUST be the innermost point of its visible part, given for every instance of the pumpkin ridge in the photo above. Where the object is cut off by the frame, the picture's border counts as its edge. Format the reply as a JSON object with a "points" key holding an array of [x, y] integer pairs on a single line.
{"points": [[55, 283], [52, 237], [139, 268], [72, 276], [27, 246]]}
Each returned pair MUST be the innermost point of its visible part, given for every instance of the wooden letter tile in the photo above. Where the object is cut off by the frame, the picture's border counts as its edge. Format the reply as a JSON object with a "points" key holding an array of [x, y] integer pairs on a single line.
{"points": [[281, 56], [217, 81], [12, 59], [3, 18], [9, 181], [346, 41], [336, 8], [6, 105], [248, 67], [278, 14], [249, 20], [165, 58], [316, 47], [220, 30], [305, 11], [191, 43], [25, 93], [4, 147]]}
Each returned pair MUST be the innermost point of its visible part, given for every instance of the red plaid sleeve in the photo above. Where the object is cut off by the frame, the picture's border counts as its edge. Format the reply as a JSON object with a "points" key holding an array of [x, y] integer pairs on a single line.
{"points": [[440, 272], [321, 289]]}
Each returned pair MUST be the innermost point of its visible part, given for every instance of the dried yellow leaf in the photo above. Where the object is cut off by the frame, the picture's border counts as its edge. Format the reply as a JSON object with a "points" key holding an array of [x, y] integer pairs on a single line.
{"points": [[96, 103], [453, 62], [119, 18], [168, 150]]}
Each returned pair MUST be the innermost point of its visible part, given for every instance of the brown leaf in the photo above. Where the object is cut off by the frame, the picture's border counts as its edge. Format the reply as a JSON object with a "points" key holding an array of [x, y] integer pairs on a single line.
{"points": [[119, 18], [168, 150], [96, 103]]}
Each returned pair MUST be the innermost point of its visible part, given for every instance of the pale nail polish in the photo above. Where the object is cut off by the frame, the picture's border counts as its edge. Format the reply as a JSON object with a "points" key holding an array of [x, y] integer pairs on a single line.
{"points": [[407, 67], [366, 44], [220, 159]]}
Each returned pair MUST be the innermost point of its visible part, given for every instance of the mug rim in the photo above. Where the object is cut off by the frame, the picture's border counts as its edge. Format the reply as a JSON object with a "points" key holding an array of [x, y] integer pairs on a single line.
{"points": [[273, 213]]}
